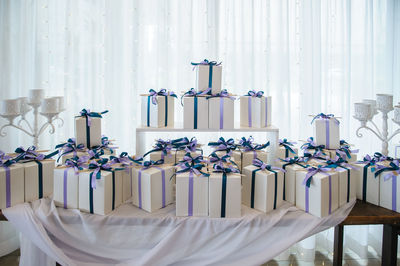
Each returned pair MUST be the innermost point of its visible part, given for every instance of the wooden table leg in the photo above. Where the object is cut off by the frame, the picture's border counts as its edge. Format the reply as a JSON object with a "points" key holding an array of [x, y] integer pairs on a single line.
{"points": [[389, 245], [338, 246]]}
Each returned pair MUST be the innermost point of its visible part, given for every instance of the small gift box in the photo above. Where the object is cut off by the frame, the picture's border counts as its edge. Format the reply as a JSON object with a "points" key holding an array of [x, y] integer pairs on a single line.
{"points": [[88, 128], [326, 131], [66, 183], [69, 150], [208, 76], [251, 151], [100, 188], [225, 192], [367, 183], [124, 164], [221, 111], [262, 186], [389, 185], [233, 157], [152, 185], [317, 191], [286, 149], [347, 179], [255, 110], [162, 150], [291, 166], [191, 187], [158, 109], [195, 110], [11, 182], [345, 152], [187, 146]]}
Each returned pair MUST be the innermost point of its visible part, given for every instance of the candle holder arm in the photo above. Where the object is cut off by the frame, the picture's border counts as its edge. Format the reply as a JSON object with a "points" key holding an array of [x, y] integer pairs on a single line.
{"points": [[358, 134], [3, 134], [376, 128], [61, 121], [26, 122], [394, 134], [44, 126]]}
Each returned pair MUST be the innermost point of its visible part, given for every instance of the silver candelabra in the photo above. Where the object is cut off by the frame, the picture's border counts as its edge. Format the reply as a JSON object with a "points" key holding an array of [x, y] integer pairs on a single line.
{"points": [[49, 108], [367, 109]]}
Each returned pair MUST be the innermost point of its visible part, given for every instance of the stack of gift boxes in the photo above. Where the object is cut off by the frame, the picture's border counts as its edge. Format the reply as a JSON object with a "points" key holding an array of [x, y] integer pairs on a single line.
{"points": [[206, 105]]}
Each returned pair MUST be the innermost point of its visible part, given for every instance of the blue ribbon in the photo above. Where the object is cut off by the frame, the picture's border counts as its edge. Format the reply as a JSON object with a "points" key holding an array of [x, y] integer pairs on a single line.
{"points": [[220, 168], [210, 71]]}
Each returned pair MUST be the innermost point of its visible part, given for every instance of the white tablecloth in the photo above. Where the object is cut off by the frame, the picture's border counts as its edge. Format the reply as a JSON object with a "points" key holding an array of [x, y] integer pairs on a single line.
{"points": [[130, 236]]}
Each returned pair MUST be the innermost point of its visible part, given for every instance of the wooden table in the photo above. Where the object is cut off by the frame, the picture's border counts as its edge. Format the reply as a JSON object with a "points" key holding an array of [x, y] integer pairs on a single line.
{"points": [[2, 217], [365, 214]]}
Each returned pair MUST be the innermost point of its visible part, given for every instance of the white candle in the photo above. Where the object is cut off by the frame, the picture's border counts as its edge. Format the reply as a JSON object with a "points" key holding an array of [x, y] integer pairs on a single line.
{"points": [[50, 105], [36, 96], [361, 111], [10, 107], [60, 103], [23, 103], [384, 102]]}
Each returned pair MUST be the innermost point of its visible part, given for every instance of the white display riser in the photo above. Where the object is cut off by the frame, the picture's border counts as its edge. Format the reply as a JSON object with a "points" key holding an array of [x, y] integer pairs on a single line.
{"points": [[146, 136]]}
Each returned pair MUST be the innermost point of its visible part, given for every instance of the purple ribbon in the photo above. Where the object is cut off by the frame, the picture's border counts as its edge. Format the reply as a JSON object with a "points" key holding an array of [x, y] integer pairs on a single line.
{"points": [[394, 193], [163, 184], [8, 186], [190, 201], [221, 113], [249, 111], [327, 133], [306, 182], [65, 187], [140, 185]]}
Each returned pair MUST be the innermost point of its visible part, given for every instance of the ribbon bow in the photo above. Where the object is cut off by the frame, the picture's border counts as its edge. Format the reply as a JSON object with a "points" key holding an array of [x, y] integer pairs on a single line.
{"points": [[162, 92], [311, 171], [29, 154], [311, 145], [95, 154], [343, 142], [105, 145], [77, 163], [165, 146], [263, 166], [177, 143], [218, 168], [223, 93], [253, 93], [137, 161], [193, 165], [294, 160], [148, 164], [193, 93], [326, 117], [123, 159], [287, 145], [97, 166], [381, 158], [344, 151], [248, 144], [88, 114], [5, 160], [214, 158], [338, 162], [368, 160], [393, 168], [222, 145], [316, 155], [69, 147], [206, 62]]}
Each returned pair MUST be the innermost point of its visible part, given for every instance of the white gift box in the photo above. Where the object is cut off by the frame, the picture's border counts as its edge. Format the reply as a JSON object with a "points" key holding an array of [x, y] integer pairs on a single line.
{"points": [[249, 156], [321, 198], [203, 78], [326, 132], [181, 153], [236, 157], [82, 130], [218, 119], [195, 112], [389, 192], [251, 111], [66, 188], [347, 184], [104, 197], [283, 153], [264, 192], [230, 205], [151, 189], [367, 183], [160, 114], [127, 184], [11, 186], [38, 179], [289, 178], [191, 195], [158, 155], [332, 154], [266, 111]]}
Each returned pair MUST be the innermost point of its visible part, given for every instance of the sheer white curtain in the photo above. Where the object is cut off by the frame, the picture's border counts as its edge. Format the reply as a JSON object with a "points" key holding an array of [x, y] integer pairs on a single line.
{"points": [[311, 56]]}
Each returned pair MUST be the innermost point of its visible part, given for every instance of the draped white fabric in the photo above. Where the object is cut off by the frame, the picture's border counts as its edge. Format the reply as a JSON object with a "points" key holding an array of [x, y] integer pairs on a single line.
{"points": [[310, 55]]}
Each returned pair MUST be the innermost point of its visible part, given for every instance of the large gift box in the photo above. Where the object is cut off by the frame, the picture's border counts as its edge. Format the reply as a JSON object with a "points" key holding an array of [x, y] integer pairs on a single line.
{"points": [[208, 76], [262, 187], [11, 185], [100, 193], [317, 191], [255, 110], [326, 131], [158, 109], [221, 113], [367, 183], [225, 194], [38, 179], [66, 187], [195, 112], [127, 184], [191, 188], [152, 186], [88, 128], [389, 196], [291, 166], [347, 184]]}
